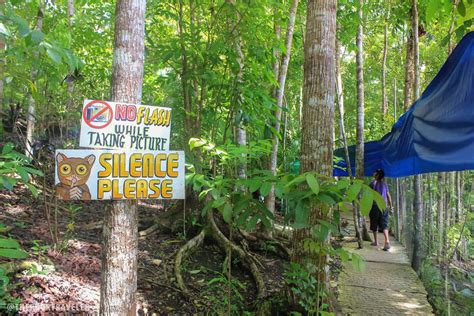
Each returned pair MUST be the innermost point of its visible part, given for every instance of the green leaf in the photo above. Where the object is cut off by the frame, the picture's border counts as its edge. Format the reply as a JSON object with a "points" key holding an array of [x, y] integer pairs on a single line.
{"points": [[8, 148], [358, 262], [4, 30], [35, 37], [22, 173], [432, 8], [8, 182], [379, 200], [252, 223], [326, 199], [366, 202], [301, 215], [13, 253], [313, 183], [254, 185], [353, 190], [9, 243], [462, 8], [227, 213], [266, 187], [53, 54], [33, 189], [33, 171]]}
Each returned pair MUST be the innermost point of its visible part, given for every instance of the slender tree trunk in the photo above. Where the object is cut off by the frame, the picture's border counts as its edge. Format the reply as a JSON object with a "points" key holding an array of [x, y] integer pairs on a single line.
{"points": [[2, 59], [70, 78], [120, 236], [270, 199], [340, 107], [360, 115], [440, 211], [409, 73], [318, 117], [430, 215], [240, 135], [31, 118], [418, 251], [384, 65]]}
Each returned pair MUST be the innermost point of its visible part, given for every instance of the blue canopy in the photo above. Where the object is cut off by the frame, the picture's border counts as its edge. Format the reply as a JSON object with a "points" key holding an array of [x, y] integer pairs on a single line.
{"points": [[436, 133]]}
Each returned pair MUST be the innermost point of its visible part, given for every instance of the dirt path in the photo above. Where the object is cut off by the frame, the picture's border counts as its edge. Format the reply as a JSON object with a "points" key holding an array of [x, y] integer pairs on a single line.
{"points": [[387, 286]]}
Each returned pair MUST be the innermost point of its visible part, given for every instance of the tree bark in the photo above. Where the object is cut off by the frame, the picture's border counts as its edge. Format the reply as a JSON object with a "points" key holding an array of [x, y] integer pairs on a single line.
{"points": [[31, 118], [2, 59], [240, 136], [318, 116], [360, 115], [384, 65], [409, 73], [119, 261], [340, 107], [418, 249], [70, 78], [270, 198]]}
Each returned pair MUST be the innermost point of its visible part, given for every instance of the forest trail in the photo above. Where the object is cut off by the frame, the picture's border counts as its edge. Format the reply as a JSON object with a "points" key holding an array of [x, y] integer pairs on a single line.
{"points": [[387, 286]]}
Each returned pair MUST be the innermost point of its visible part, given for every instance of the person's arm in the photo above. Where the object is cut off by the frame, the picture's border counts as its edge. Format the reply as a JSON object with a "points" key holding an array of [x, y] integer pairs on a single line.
{"points": [[389, 200]]}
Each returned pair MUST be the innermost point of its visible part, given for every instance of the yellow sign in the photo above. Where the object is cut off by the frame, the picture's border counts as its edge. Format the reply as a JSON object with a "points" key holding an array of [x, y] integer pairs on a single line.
{"points": [[117, 174]]}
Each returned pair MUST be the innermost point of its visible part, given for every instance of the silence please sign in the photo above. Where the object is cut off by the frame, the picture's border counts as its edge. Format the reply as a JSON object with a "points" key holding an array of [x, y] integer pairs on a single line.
{"points": [[125, 126], [83, 174]]}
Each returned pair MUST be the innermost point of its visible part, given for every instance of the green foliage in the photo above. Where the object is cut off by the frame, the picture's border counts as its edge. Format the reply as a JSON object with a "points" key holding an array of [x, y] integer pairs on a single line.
{"points": [[15, 168], [217, 292]]}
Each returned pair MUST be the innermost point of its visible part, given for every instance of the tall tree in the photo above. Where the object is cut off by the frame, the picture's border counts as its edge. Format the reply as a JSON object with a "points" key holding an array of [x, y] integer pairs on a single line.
{"points": [[120, 237], [30, 119], [240, 134], [418, 251], [2, 60], [360, 114], [318, 114], [340, 107], [384, 62], [285, 61]]}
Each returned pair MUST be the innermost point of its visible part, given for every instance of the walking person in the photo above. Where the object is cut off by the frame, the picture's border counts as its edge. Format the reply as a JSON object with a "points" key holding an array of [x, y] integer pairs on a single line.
{"points": [[379, 218]]}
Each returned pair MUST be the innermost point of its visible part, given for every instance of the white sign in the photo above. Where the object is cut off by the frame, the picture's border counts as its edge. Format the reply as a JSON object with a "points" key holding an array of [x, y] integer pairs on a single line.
{"points": [[125, 126], [83, 174]]}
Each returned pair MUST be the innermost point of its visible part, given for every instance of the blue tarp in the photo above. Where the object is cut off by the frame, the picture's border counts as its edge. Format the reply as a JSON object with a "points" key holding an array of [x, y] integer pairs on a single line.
{"points": [[437, 132]]}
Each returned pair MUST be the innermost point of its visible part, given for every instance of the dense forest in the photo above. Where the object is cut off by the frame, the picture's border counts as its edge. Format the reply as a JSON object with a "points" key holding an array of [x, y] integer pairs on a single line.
{"points": [[262, 93]]}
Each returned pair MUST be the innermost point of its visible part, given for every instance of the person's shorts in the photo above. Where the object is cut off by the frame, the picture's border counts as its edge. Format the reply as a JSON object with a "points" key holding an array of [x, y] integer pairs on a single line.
{"points": [[378, 219]]}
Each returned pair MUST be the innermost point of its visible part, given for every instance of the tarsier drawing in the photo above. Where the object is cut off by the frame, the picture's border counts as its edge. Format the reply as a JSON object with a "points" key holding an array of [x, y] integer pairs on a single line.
{"points": [[73, 174]]}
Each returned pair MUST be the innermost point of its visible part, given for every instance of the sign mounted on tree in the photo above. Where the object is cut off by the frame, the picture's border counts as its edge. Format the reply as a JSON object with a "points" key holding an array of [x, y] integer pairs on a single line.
{"points": [[125, 126], [117, 174]]}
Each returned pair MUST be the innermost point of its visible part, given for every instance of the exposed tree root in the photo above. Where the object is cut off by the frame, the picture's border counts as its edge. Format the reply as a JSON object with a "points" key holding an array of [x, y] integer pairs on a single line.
{"points": [[225, 243], [191, 245]]}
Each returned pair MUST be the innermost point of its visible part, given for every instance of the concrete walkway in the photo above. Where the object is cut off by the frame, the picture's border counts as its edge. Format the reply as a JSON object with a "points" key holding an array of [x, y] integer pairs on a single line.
{"points": [[387, 286]]}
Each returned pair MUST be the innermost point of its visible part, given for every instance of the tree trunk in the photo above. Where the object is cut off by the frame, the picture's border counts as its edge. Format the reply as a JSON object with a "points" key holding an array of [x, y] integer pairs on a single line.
{"points": [[70, 78], [318, 116], [440, 211], [119, 261], [418, 251], [270, 198], [2, 59], [340, 107], [360, 115], [240, 135], [409, 73], [31, 118], [384, 65]]}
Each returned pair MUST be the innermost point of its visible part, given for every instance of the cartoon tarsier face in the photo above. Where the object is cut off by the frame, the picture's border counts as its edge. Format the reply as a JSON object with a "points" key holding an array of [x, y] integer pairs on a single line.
{"points": [[74, 171]]}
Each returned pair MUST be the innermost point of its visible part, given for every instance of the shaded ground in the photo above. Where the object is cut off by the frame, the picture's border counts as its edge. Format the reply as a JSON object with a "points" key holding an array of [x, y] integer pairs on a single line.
{"points": [[387, 286], [68, 278]]}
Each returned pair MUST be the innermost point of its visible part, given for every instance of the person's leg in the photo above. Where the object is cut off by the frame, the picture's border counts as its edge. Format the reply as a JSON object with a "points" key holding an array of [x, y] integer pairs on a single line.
{"points": [[384, 224], [373, 225], [385, 235], [375, 243]]}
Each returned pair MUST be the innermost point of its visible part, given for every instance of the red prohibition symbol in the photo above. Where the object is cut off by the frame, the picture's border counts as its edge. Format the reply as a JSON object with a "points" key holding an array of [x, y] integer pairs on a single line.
{"points": [[104, 116]]}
